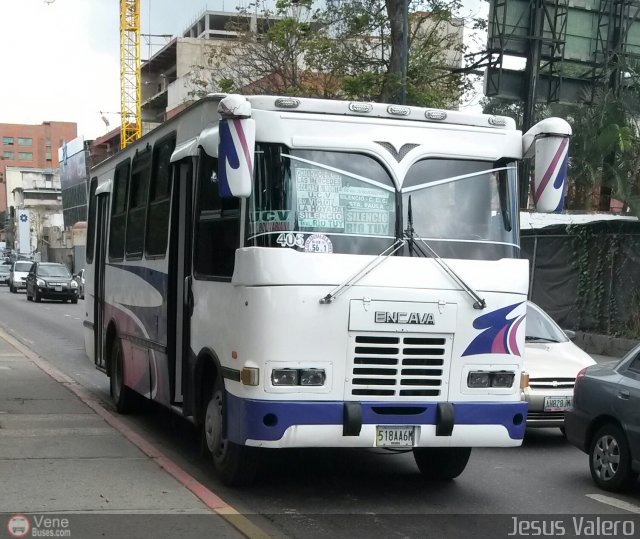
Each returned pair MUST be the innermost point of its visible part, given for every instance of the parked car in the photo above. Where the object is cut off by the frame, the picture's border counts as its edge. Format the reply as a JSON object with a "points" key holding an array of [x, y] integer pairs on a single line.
{"points": [[47, 280], [552, 362], [19, 271], [79, 278], [605, 420], [5, 273]]}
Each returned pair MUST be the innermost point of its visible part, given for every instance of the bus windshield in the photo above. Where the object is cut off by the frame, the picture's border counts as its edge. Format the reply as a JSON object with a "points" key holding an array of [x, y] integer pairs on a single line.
{"points": [[341, 202]]}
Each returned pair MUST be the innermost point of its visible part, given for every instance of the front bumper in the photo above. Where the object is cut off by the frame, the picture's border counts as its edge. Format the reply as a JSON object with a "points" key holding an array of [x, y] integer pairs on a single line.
{"points": [[537, 417], [281, 424], [66, 293]]}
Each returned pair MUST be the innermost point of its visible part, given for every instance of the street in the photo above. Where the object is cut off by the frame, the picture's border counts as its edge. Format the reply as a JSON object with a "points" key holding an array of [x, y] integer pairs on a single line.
{"points": [[299, 493]]}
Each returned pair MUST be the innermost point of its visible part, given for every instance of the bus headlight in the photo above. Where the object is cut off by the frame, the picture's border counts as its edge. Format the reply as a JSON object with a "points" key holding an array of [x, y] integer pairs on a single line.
{"points": [[298, 377], [284, 377], [479, 379], [312, 377], [502, 379], [482, 379]]}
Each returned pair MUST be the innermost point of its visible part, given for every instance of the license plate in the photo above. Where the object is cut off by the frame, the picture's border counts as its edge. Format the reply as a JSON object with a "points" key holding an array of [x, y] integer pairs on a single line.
{"points": [[58, 289], [395, 436], [556, 404]]}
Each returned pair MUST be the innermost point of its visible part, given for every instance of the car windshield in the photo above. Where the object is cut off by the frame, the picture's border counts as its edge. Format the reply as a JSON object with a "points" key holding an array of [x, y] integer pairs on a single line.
{"points": [[22, 266], [541, 328], [53, 270], [4, 269]]}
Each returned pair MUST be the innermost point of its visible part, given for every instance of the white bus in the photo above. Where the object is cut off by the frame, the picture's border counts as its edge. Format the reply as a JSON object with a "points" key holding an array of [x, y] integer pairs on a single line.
{"points": [[293, 272]]}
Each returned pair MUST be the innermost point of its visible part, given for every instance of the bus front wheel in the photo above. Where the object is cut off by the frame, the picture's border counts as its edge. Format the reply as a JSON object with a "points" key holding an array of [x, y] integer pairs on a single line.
{"points": [[441, 463], [236, 464], [123, 397]]}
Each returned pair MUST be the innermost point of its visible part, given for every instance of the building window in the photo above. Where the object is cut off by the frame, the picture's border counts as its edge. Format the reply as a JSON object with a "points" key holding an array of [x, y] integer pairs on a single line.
{"points": [[48, 156], [7, 141], [48, 143], [25, 141], [7, 155], [25, 156]]}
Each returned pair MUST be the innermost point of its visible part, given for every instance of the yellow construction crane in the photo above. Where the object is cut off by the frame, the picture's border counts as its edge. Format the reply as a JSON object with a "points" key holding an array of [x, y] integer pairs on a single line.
{"points": [[130, 96], [130, 112]]}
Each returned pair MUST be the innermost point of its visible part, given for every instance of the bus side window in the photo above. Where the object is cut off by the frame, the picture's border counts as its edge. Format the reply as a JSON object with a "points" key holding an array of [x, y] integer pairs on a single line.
{"points": [[91, 226], [217, 227], [159, 198], [119, 211], [138, 195]]}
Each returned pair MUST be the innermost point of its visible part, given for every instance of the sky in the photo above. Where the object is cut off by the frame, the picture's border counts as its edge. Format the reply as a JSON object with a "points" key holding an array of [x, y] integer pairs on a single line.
{"points": [[61, 57]]}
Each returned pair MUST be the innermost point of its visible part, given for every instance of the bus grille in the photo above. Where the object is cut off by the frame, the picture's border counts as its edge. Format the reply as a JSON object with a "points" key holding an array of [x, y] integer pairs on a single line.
{"points": [[410, 365]]}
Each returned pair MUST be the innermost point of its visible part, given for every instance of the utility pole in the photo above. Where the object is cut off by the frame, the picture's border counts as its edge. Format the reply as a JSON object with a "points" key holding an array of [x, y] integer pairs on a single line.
{"points": [[405, 50]]}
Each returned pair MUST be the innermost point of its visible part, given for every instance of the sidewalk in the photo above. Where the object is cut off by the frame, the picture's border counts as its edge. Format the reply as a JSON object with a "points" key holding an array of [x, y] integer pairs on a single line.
{"points": [[58, 456]]}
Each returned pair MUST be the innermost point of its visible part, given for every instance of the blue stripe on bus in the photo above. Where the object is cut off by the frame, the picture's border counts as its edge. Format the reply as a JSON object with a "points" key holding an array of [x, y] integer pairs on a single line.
{"points": [[158, 279], [246, 416]]}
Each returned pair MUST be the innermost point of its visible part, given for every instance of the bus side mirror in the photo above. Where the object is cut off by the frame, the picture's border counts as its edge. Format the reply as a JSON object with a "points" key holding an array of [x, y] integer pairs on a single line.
{"points": [[236, 146], [548, 143]]}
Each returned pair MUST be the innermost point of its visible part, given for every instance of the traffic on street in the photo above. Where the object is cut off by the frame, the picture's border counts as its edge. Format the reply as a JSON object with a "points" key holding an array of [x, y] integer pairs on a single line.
{"points": [[339, 493]]}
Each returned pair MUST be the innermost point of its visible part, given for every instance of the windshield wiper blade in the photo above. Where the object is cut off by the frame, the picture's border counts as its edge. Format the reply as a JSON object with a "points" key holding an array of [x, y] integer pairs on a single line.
{"points": [[396, 246], [530, 338], [410, 234]]}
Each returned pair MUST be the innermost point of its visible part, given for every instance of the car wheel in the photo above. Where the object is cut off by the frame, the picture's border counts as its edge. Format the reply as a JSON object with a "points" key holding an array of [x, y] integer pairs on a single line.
{"points": [[74, 301], [236, 464], [441, 463], [123, 397], [610, 459]]}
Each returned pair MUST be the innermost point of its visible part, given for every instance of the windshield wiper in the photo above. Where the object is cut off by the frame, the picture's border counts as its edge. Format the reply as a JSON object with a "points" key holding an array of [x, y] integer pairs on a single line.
{"points": [[397, 245], [530, 338], [410, 234]]}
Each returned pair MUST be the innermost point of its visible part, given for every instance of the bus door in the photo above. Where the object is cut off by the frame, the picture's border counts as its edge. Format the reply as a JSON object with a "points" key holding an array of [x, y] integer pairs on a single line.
{"points": [[102, 209], [180, 301]]}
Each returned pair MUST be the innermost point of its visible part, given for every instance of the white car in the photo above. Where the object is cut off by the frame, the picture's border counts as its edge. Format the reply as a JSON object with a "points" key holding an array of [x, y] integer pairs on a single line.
{"points": [[552, 362], [18, 275]]}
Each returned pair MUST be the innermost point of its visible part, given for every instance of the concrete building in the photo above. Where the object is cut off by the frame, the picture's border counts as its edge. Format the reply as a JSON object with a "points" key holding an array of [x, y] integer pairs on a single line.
{"points": [[36, 224], [182, 70], [31, 146]]}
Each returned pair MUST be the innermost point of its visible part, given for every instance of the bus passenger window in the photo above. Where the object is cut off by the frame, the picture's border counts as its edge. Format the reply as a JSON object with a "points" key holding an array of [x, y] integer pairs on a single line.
{"points": [[137, 212], [159, 198], [217, 227], [119, 211]]}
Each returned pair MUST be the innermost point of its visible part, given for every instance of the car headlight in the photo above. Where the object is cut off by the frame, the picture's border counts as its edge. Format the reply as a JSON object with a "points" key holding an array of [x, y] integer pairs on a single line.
{"points": [[74, 284], [40, 282]]}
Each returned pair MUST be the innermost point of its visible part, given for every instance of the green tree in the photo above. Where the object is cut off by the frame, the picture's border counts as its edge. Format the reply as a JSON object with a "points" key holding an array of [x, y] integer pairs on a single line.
{"points": [[350, 49]]}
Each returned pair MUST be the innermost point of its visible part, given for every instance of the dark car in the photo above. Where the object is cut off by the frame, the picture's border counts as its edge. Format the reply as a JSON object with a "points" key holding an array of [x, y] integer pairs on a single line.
{"points": [[605, 420], [47, 280], [5, 273]]}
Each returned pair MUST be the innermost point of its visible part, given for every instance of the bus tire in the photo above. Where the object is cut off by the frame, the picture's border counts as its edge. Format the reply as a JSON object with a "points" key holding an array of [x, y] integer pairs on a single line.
{"points": [[235, 464], [122, 396], [441, 463]]}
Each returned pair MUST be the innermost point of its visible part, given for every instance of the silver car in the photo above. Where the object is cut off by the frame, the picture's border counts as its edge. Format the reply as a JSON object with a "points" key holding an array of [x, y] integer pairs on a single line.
{"points": [[605, 421]]}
